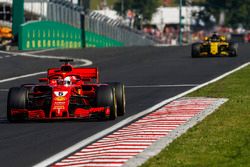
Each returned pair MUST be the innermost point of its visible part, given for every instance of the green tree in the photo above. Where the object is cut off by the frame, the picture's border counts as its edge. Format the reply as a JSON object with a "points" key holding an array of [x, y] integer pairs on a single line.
{"points": [[144, 7], [236, 11]]}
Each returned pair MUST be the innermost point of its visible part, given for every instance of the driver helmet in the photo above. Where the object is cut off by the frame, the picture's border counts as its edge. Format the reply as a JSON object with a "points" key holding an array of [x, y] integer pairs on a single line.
{"points": [[214, 37], [67, 81]]}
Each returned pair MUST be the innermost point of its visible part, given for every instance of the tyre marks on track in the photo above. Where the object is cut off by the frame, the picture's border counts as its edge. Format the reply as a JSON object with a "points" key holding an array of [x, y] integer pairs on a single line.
{"points": [[126, 143]]}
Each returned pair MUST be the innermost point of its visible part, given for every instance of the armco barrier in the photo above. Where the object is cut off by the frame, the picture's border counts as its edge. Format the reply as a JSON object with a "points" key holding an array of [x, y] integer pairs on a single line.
{"points": [[48, 34]]}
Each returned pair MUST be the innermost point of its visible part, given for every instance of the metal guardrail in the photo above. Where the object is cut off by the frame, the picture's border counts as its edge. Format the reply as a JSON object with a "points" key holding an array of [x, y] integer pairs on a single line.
{"points": [[114, 29], [63, 11]]}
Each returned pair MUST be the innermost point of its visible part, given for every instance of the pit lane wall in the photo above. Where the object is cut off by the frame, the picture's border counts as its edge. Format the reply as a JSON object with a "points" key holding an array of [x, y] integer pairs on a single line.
{"points": [[48, 34]]}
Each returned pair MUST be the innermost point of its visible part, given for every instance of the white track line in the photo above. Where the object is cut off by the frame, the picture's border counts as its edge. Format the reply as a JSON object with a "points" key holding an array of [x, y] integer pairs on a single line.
{"points": [[22, 76], [161, 86], [4, 90], [42, 51], [124, 122], [84, 62]]}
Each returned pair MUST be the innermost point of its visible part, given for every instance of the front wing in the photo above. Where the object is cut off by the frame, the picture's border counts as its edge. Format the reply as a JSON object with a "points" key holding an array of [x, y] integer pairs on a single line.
{"points": [[80, 113]]}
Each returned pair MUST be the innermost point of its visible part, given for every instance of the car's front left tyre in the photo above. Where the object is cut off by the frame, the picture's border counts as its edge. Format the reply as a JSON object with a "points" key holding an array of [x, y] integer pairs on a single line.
{"points": [[195, 52]]}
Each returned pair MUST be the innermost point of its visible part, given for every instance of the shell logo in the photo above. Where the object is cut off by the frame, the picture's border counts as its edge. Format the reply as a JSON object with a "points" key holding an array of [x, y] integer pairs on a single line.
{"points": [[60, 98]]}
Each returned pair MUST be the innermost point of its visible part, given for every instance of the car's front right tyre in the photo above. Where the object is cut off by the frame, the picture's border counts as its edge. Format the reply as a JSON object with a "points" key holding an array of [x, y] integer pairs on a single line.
{"points": [[17, 99], [105, 97]]}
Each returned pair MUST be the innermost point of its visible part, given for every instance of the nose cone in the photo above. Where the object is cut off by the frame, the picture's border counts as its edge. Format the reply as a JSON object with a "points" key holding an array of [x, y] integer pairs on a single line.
{"points": [[60, 102], [214, 48]]}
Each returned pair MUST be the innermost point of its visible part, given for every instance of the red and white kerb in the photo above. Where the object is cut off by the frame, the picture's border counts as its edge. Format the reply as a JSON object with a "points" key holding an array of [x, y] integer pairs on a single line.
{"points": [[123, 144]]}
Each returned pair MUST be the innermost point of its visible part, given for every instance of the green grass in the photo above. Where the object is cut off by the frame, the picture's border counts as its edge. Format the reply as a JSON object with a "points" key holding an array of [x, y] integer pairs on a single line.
{"points": [[220, 140]]}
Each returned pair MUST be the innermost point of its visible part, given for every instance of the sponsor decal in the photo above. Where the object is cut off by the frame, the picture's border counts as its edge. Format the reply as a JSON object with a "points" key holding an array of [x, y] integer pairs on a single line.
{"points": [[59, 103], [60, 93], [60, 98], [58, 108]]}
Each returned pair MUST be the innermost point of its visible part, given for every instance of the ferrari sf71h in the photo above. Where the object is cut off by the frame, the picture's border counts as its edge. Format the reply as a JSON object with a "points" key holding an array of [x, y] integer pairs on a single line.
{"points": [[66, 93], [214, 45]]}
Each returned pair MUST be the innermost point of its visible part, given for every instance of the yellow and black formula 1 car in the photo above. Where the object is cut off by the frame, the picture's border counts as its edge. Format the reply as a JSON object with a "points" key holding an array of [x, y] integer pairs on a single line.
{"points": [[214, 45]]}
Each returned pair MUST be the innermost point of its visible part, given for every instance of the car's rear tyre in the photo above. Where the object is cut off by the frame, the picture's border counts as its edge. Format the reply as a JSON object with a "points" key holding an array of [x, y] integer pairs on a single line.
{"points": [[120, 97], [105, 97], [195, 50], [17, 99]]}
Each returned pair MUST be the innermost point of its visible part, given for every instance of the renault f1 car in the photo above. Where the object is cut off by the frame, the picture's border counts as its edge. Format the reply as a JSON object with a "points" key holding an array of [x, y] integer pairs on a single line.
{"points": [[214, 45], [66, 93]]}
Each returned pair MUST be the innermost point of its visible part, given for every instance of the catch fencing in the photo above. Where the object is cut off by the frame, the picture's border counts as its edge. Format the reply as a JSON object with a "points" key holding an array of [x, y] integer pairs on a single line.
{"points": [[103, 27], [97, 29], [114, 29]]}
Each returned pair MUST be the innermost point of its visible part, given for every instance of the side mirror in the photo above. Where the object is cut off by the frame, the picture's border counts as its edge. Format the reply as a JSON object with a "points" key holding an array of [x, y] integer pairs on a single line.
{"points": [[43, 79], [86, 79]]}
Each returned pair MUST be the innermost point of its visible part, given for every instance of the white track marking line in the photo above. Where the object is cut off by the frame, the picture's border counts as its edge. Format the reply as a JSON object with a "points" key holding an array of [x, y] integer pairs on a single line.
{"points": [[84, 62], [22, 76], [124, 122], [42, 51], [96, 165], [161, 86], [163, 45], [29, 52], [4, 90]]}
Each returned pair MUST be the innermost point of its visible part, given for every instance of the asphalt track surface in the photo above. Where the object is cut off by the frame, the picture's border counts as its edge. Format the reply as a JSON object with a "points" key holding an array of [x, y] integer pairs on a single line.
{"points": [[142, 69]]}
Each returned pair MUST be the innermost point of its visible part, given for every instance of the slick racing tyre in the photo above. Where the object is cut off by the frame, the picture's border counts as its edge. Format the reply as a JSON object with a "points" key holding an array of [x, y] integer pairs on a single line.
{"points": [[105, 97], [17, 99], [120, 97], [195, 50], [233, 49]]}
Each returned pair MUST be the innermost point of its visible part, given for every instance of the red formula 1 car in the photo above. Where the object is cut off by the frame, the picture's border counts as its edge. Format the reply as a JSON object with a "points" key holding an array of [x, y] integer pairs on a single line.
{"points": [[66, 93]]}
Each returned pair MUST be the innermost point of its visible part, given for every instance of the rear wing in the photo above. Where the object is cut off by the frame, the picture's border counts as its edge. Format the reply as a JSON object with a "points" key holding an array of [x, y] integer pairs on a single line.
{"points": [[86, 74]]}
